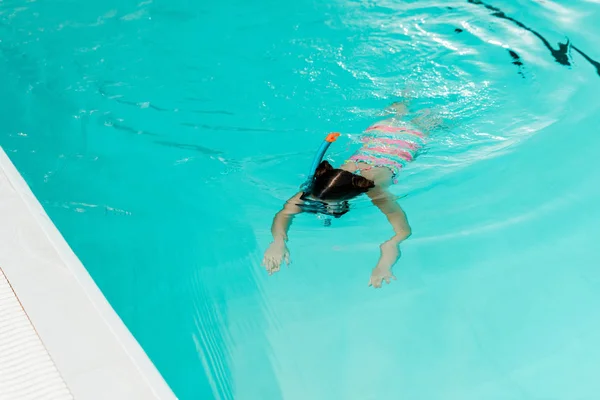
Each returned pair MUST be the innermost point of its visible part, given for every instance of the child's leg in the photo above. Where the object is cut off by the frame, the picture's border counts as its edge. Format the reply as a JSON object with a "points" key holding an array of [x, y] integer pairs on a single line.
{"points": [[399, 108], [427, 121]]}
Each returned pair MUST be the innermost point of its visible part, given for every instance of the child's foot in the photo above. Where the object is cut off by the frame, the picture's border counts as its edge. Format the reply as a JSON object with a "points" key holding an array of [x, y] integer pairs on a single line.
{"points": [[407, 94]]}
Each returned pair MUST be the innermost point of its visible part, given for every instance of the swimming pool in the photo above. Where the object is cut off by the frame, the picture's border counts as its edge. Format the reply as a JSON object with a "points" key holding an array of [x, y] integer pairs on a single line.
{"points": [[162, 136]]}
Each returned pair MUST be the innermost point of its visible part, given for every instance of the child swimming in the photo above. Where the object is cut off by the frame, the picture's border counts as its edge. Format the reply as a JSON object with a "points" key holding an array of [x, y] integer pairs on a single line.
{"points": [[387, 146]]}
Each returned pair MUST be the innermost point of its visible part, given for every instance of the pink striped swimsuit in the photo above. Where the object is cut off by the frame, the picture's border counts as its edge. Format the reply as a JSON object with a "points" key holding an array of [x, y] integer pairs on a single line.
{"points": [[389, 146]]}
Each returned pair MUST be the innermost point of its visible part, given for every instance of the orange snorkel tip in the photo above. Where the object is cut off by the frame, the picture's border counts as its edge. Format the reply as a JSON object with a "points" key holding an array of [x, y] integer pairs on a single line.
{"points": [[332, 137]]}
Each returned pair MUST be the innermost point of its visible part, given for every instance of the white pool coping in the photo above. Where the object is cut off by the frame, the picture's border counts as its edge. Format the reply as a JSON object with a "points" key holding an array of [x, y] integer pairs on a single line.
{"points": [[59, 336]]}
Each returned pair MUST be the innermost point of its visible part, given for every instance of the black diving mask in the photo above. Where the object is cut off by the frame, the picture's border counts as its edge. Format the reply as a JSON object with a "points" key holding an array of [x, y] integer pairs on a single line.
{"points": [[334, 209]]}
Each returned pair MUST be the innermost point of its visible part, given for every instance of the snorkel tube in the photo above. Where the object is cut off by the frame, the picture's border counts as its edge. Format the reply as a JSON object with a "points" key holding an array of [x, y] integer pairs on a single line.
{"points": [[317, 206], [332, 137]]}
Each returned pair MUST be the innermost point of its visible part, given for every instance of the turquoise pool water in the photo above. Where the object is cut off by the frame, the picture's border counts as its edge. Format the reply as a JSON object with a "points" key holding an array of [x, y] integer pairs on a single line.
{"points": [[161, 137]]}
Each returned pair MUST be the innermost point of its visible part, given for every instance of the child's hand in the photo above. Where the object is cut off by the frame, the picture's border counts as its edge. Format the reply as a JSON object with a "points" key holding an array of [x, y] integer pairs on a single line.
{"points": [[379, 275], [383, 271], [276, 254]]}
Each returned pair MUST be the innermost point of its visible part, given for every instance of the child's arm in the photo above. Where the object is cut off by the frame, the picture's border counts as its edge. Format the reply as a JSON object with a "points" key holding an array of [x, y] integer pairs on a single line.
{"points": [[283, 219], [277, 253], [390, 252]]}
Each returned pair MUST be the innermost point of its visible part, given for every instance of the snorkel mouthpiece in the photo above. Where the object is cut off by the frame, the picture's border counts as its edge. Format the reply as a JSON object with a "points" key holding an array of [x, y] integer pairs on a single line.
{"points": [[332, 137]]}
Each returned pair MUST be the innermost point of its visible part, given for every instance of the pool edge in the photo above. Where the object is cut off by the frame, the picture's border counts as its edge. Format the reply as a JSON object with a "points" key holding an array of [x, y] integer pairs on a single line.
{"points": [[60, 295]]}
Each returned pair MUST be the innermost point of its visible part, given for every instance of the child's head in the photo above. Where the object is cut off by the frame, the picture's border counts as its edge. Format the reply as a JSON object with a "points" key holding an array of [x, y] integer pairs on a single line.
{"points": [[336, 184]]}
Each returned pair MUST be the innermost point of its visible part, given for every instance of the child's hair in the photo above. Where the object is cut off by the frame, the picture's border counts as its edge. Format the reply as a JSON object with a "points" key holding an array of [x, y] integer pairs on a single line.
{"points": [[336, 184]]}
